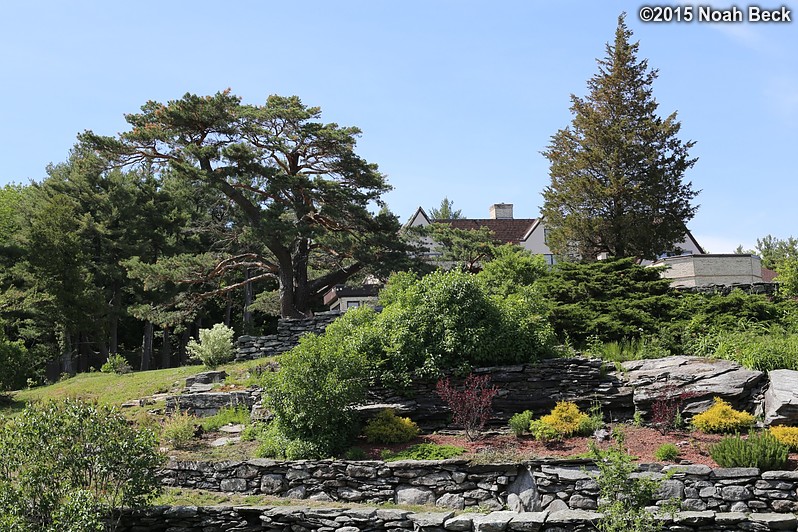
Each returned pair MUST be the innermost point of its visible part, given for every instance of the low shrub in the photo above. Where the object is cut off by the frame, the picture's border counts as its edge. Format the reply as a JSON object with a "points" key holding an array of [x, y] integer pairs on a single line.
{"points": [[667, 452], [387, 427], [760, 450], [520, 422], [471, 407], [721, 417], [666, 410], [179, 430], [116, 364], [320, 382], [226, 416], [786, 435], [624, 496], [275, 444], [423, 451], [564, 420], [215, 346]]}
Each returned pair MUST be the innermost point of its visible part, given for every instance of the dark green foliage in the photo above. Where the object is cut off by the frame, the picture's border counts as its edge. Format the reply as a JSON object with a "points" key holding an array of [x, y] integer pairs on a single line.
{"points": [[424, 451], [68, 464], [446, 320], [14, 364], [760, 450], [613, 300], [274, 443], [299, 194], [466, 249], [320, 381], [616, 171], [387, 427]]}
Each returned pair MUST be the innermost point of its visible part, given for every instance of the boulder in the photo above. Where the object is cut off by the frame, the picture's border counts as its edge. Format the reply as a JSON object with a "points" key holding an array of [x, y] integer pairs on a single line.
{"points": [[703, 377], [781, 398]]}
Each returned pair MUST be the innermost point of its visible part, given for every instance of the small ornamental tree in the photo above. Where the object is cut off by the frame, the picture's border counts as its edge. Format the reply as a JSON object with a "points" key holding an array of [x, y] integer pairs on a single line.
{"points": [[215, 346], [471, 407], [666, 410]]}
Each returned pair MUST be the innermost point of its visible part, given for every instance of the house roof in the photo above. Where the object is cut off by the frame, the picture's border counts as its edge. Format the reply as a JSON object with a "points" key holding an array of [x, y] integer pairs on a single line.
{"points": [[768, 275], [507, 230]]}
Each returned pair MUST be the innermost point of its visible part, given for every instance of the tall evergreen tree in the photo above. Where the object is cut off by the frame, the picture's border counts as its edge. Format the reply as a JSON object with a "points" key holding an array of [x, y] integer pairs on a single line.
{"points": [[445, 211], [617, 171]]}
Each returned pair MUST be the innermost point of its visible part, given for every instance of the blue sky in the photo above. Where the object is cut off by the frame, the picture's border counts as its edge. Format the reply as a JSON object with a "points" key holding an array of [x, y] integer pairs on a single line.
{"points": [[455, 98]]}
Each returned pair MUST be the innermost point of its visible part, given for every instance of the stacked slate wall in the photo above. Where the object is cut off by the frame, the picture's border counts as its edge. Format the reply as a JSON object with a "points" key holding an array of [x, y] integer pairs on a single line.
{"points": [[531, 486], [288, 333]]}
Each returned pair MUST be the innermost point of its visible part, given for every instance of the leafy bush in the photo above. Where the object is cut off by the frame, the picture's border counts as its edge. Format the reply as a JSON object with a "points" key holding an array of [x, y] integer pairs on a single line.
{"points": [[786, 435], [447, 319], [226, 416], [68, 464], [667, 452], [320, 381], [512, 267], [387, 427], [179, 430], [116, 364], [471, 407], [760, 450], [564, 420], [520, 422], [424, 451], [275, 444], [623, 497], [215, 346], [627, 349], [721, 417]]}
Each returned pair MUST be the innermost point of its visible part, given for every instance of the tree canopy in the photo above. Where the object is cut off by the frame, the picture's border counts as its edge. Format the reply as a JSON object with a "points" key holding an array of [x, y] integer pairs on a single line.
{"points": [[617, 170], [301, 193], [445, 211]]}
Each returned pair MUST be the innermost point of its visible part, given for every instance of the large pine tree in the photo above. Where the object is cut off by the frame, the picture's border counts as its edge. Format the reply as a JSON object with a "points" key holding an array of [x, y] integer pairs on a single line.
{"points": [[617, 171]]}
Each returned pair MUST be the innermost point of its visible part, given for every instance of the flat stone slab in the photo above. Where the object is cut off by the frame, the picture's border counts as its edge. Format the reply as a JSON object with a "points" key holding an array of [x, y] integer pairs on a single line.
{"points": [[775, 521], [493, 522], [528, 521], [232, 429], [227, 440], [425, 519]]}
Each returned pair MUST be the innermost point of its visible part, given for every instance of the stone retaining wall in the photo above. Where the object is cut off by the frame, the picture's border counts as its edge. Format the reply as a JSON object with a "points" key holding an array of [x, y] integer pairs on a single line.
{"points": [[256, 519], [551, 485], [288, 333], [205, 404], [539, 386]]}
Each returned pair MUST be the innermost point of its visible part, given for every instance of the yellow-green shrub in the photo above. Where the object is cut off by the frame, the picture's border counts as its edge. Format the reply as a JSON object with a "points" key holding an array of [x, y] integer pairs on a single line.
{"points": [[786, 435], [387, 427], [564, 420], [721, 417]]}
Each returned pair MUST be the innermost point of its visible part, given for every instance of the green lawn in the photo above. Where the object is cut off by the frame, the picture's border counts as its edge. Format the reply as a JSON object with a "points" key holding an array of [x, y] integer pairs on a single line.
{"points": [[112, 389]]}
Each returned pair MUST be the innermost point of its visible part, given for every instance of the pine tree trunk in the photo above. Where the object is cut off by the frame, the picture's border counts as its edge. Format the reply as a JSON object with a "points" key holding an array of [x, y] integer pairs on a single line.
{"points": [[166, 351], [113, 326], [66, 356], [146, 346], [248, 296], [182, 355]]}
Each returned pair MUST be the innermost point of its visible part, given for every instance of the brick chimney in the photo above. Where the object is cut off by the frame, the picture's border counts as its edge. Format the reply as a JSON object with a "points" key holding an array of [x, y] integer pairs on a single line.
{"points": [[501, 211]]}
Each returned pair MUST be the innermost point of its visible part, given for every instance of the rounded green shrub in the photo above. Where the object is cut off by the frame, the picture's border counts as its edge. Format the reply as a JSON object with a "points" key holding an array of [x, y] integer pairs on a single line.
{"points": [[116, 364], [387, 427], [520, 422], [319, 383], [564, 420], [215, 346], [667, 452]]}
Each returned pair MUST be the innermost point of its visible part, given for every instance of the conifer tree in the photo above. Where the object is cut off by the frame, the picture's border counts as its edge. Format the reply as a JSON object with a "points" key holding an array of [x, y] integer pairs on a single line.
{"points": [[617, 171]]}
